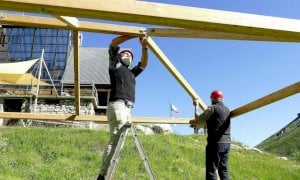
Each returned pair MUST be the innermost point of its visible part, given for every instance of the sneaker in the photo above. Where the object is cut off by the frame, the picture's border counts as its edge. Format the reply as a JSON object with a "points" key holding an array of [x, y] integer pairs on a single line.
{"points": [[100, 177]]}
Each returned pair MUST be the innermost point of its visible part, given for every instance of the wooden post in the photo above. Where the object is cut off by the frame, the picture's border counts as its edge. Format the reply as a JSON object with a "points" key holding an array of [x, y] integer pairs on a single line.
{"points": [[76, 72]]}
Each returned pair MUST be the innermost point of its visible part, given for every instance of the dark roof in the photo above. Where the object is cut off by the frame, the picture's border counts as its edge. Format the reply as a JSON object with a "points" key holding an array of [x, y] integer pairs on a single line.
{"points": [[93, 63]]}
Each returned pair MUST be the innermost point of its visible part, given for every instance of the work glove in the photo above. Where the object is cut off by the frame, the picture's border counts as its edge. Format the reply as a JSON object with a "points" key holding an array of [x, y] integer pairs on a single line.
{"points": [[193, 123]]}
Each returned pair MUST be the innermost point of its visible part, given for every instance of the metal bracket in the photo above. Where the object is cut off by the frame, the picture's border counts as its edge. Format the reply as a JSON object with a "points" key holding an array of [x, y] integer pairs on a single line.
{"points": [[143, 31], [2, 15]]}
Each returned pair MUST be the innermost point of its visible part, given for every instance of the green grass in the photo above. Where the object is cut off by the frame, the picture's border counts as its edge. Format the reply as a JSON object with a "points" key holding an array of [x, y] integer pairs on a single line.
{"points": [[67, 153], [287, 144]]}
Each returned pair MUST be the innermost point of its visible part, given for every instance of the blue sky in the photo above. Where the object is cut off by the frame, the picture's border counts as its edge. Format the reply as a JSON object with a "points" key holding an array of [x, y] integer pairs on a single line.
{"points": [[243, 70]]}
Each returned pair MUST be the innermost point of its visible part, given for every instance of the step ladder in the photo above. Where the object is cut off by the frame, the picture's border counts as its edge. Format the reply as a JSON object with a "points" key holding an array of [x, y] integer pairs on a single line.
{"points": [[116, 156]]}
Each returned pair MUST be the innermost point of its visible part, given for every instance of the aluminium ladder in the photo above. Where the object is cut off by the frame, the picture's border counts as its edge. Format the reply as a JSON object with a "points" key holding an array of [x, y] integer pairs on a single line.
{"points": [[116, 156]]}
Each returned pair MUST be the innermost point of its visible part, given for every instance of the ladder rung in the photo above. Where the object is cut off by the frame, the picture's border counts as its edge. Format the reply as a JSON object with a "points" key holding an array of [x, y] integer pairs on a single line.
{"points": [[116, 155]]}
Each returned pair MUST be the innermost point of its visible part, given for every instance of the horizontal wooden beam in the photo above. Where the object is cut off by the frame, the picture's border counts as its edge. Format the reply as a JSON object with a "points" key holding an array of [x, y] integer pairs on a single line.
{"points": [[46, 22], [162, 14], [61, 23], [95, 118], [173, 70], [273, 97], [205, 34]]}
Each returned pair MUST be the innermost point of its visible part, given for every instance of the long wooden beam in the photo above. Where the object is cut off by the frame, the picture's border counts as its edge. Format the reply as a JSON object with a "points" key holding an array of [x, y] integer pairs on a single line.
{"points": [[172, 69], [95, 118], [273, 97], [162, 14], [46, 22], [205, 34]]}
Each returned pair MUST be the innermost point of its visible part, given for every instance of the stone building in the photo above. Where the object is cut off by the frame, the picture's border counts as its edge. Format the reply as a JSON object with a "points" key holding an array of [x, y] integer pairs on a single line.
{"points": [[20, 44]]}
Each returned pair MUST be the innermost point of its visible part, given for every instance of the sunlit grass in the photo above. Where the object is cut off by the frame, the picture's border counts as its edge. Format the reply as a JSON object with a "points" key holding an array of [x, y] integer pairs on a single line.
{"points": [[67, 153]]}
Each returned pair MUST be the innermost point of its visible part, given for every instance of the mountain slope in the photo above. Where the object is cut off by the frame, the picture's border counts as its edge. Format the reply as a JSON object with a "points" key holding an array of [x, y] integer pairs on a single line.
{"points": [[286, 142]]}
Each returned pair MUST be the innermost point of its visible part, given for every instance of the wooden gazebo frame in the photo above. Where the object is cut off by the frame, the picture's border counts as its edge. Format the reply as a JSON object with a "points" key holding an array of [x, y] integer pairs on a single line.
{"points": [[180, 21]]}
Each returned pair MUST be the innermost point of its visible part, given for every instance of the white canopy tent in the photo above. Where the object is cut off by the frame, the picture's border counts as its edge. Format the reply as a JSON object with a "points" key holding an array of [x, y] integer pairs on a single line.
{"points": [[17, 67]]}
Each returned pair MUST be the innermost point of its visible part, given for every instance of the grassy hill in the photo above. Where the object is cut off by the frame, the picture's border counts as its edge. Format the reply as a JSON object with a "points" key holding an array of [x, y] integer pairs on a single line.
{"points": [[285, 142], [67, 153]]}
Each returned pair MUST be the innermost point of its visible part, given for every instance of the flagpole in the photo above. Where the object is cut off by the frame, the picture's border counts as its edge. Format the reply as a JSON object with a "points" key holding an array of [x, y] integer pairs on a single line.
{"points": [[170, 109]]}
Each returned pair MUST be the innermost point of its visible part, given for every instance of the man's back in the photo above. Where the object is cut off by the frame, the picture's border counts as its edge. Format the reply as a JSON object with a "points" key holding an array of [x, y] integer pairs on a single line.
{"points": [[218, 125]]}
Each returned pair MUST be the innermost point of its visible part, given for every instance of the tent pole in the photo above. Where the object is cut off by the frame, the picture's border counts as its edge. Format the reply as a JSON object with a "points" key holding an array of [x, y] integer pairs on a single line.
{"points": [[45, 65], [38, 82]]}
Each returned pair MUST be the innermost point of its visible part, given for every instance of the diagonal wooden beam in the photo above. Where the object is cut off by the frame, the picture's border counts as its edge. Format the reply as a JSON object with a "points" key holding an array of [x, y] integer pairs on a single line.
{"points": [[205, 34], [273, 97], [71, 21], [46, 22], [95, 118], [172, 69], [162, 14]]}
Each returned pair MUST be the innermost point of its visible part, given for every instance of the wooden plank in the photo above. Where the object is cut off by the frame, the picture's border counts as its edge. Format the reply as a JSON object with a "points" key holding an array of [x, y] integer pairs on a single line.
{"points": [[204, 34], [95, 118], [162, 14], [76, 71], [273, 97], [46, 22], [173, 70]]}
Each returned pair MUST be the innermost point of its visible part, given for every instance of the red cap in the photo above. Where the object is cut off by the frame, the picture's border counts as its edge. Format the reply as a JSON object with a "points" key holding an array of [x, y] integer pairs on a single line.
{"points": [[216, 94], [126, 50]]}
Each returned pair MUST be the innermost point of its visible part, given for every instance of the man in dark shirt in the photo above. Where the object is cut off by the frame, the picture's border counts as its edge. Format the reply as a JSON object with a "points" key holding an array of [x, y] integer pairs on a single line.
{"points": [[122, 96], [217, 119]]}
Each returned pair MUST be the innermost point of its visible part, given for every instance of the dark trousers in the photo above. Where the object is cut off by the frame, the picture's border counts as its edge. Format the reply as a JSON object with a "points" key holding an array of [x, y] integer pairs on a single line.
{"points": [[217, 159]]}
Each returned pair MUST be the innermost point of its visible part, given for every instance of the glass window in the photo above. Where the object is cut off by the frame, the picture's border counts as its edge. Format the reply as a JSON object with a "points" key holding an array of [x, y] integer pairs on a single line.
{"points": [[37, 48], [51, 32], [51, 40], [39, 40], [40, 32], [29, 31], [36, 55], [62, 48], [27, 47], [27, 43], [61, 56], [28, 39], [14, 39]]}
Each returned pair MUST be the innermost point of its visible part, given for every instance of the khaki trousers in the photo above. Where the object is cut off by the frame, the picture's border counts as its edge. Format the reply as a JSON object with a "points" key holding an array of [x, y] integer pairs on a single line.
{"points": [[118, 114]]}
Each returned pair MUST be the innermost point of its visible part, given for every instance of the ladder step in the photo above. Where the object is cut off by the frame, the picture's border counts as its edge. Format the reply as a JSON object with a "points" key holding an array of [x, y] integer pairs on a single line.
{"points": [[119, 147]]}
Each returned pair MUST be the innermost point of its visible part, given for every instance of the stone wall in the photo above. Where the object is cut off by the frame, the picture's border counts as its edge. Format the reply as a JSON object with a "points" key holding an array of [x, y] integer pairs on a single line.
{"points": [[61, 106], [64, 106]]}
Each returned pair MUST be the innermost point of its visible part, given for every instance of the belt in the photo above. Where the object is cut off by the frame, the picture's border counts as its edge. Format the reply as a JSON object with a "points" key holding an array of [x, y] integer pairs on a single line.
{"points": [[126, 102]]}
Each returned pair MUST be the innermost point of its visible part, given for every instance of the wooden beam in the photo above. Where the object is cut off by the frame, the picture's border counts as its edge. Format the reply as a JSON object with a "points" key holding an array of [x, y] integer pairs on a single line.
{"points": [[205, 34], [71, 21], [76, 71], [95, 118], [46, 22], [172, 69], [162, 14], [273, 97]]}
